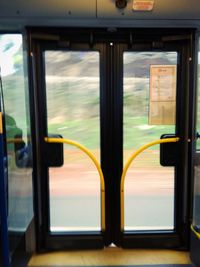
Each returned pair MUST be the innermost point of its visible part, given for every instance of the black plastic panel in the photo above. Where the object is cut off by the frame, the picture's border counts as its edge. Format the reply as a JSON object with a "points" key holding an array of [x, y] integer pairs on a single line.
{"points": [[54, 152], [151, 240], [78, 241], [169, 152]]}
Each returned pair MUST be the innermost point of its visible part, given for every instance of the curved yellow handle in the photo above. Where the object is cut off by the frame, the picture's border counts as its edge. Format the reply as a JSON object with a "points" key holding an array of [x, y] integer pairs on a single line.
{"points": [[195, 232], [92, 157], [1, 122], [15, 140], [128, 163]]}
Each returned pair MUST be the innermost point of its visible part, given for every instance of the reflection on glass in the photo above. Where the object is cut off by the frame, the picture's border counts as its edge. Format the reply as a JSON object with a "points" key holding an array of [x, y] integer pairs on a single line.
{"points": [[198, 101], [19, 150], [72, 88], [196, 201], [196, 207], [149, 188]]}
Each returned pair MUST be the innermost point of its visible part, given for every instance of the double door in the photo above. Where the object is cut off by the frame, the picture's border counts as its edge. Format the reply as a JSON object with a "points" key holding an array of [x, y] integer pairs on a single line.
{"points": [[102, 102]]}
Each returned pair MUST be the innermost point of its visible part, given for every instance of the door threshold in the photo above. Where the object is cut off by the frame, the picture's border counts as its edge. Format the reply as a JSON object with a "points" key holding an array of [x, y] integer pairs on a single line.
{"points": [[111, 256]]}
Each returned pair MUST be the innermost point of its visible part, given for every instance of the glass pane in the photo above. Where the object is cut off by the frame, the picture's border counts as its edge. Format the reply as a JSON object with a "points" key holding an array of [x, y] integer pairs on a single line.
{"points": [[196, 208], [72, 88], [196, 203], [149, 112], [19, 149], [198, 101]]}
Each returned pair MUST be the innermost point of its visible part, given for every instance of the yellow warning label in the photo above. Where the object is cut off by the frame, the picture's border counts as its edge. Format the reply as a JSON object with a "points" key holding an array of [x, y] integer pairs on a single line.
{"points": [[143, 5]]}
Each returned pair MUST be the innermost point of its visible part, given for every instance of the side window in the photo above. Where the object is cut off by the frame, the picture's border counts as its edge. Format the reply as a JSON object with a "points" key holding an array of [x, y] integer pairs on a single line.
{"points": [[18, 138], [196, 207], [198, 99]]}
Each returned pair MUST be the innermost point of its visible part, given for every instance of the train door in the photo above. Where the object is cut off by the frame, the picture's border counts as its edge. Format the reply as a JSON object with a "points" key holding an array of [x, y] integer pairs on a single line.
{"points": [[111, 96]]}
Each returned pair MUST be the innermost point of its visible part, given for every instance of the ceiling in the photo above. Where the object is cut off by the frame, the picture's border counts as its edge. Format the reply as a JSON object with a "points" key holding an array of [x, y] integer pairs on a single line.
{"points": [[98, 13]]}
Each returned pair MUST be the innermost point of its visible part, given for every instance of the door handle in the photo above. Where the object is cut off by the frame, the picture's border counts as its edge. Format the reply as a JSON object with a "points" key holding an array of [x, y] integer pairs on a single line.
{"points": [[54, 152], [128, 163], [195, 231], [169, 152], [96, 163]]}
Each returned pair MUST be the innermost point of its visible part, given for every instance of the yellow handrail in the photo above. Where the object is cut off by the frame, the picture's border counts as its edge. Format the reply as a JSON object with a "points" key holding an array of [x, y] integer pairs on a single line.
{"points": [[195, 232], [1, 123], [92, 157], [128, 163], [15, 140]]}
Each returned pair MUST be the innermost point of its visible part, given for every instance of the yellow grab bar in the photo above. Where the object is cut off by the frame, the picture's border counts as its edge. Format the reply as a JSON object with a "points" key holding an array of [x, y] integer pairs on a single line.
{"points": [[1, 123], [15, 140], [95, 161], [128, 163], [195, 232]]}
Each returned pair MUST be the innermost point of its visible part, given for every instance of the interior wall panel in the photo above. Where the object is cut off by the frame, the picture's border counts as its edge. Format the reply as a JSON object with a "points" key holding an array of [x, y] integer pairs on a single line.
{"points": [[48, 8], [163, 9], [17, 14]]}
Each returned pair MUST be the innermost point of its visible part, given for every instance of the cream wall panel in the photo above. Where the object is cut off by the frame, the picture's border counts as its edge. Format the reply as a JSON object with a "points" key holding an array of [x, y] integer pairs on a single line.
{"points": [[48, 8], [163, 9]]}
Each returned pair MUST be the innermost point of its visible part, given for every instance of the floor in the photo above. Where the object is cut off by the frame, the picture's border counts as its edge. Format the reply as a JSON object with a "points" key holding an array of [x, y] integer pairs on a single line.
{"points": [[111, 257]]}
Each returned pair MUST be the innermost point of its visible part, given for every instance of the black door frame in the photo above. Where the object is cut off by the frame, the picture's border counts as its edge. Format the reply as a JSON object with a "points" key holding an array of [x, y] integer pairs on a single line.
{"points": [[111, 43], [195, 158], [180, 236]]}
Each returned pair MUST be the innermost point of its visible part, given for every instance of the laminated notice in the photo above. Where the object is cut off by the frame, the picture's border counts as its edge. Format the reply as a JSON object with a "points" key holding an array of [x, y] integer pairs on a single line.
{"points": [[162, 106]]}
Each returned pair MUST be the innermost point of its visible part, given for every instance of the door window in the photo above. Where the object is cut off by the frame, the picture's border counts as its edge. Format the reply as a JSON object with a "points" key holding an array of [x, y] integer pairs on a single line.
{"points": [[72, 90], [196, 203], [18, 137], [149, 112]]}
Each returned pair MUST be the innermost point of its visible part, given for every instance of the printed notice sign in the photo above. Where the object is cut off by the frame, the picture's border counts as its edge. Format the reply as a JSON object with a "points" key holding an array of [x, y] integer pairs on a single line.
{"points": [[143, 5], [162, 106]]}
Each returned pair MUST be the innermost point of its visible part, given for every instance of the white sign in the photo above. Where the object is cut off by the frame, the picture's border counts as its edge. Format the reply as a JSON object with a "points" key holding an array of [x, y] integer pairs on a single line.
{"points": [[162, 106], [163, 83], [143, 5]]}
